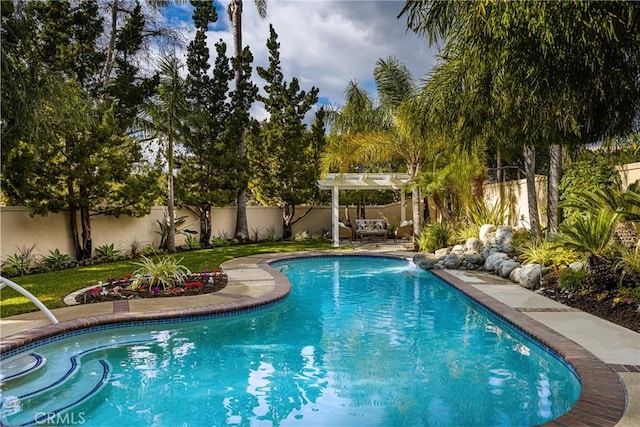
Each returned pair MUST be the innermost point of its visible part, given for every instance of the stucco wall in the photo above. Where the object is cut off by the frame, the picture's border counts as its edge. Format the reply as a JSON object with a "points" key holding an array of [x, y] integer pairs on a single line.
{"points": [[629, 173], [19, 229], [515, 194]]}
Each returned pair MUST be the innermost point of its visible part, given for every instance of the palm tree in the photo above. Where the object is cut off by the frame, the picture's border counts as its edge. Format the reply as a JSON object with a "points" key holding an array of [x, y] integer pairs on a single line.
{"points": [[162, 119], [234, 11]]}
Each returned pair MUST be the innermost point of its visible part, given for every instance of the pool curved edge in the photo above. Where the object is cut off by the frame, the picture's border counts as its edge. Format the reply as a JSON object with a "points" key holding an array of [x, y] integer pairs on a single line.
{"points": [[602, 401]]}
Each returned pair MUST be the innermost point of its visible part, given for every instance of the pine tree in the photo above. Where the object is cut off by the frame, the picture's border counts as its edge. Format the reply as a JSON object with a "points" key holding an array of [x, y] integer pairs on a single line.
{"points": [[283, 157]]}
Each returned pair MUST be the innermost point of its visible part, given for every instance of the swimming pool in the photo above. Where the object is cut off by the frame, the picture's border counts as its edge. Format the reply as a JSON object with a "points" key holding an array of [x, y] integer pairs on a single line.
{"points": [[358, 341]]}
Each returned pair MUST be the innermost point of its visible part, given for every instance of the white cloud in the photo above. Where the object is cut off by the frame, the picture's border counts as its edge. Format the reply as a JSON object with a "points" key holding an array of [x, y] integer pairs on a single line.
{"points": [[326, 43]]}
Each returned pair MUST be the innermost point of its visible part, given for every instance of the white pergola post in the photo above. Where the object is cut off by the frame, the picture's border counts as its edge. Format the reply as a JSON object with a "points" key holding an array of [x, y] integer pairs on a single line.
{"points": [[360, 181], [335, 227], [403, 202]]}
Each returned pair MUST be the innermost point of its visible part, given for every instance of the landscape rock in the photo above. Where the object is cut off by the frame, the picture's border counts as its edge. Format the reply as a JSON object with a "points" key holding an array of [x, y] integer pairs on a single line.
{"points": [[452, 261], [492, 260], [530, 275], [576, 266], [473, 244], [504, 235], [506, 267], [440, 253], [425, 261], [485, 230], [474, 259], [457, 248], [514, 276]]}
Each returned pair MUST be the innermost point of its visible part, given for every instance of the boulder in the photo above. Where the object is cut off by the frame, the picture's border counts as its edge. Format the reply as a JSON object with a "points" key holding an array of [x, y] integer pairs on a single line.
{"points": [[425, 261], [514, 276], [484, 231], [473, 244], [505, 268], [451, 261], [504, 235], [492, 260], [530, 275], [474, 259], [457, 248], [440, 253]]}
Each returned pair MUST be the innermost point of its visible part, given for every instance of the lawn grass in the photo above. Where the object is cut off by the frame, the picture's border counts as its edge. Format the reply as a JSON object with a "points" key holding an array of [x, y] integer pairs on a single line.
{"points": [[52, 287]]}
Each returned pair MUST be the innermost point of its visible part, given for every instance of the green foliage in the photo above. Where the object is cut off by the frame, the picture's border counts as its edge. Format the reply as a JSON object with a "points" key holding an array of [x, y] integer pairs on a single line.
{"points": [[590, 174], [466, 230], [302, 236], [19, 263], [521, 237], [283, 155], [548, 254], [435, 236], [56, 260], [108, 253], [589, 233], [271, 235], [191, 243], [164, 271], [571, 280], [151, 250], [628, 263], [481, 213], [52, 287], [256, 234]]}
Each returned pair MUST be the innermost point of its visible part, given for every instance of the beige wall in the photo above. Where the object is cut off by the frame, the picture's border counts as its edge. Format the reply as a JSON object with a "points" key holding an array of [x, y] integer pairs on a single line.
{"points": [[515, 194], [18, 229], [629, 173]]}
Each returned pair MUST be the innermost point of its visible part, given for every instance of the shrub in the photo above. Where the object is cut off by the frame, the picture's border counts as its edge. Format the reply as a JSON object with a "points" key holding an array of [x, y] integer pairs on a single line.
{"points": [[56, 260], [572, 280], [549, 254], [467, 230], [301, 236], [255, 234], [435, 236], [108, 253], [151, 250], [19, 263], [629, 263], [271, 235], [191, 243], [165, 271]]}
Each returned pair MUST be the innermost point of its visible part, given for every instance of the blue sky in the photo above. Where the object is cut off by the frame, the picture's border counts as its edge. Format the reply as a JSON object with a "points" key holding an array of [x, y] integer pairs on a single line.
{"points": [[324, 43]]}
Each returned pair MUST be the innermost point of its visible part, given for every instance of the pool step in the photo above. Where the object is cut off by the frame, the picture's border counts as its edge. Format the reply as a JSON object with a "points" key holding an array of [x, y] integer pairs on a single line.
{"points": [[48, 405], [20, 366]]}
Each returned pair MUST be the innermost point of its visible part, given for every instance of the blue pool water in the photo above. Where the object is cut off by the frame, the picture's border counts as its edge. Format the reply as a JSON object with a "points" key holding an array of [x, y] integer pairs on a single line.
{"points": [[359, 341]]}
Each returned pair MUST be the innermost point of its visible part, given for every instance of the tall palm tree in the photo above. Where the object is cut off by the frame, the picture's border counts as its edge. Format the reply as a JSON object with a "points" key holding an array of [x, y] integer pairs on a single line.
{"points": [[162, 119], [234, 11]]}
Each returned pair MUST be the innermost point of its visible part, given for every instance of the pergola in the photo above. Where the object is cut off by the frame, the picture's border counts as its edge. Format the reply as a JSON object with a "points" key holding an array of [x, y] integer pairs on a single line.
{"points": [[361, 181]]}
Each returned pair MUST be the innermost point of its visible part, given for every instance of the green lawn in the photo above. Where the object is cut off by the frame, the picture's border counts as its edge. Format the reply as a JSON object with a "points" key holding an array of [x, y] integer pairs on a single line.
{"points": [[52, 287]]}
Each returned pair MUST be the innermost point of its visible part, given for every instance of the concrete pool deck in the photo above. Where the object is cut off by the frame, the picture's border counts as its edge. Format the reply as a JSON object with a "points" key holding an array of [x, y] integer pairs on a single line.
{"points": [[605, 355]]}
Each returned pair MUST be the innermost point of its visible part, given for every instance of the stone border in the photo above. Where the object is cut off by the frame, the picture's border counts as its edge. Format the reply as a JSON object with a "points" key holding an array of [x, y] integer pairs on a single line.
{"points": [[603, 398], [602, 401]]}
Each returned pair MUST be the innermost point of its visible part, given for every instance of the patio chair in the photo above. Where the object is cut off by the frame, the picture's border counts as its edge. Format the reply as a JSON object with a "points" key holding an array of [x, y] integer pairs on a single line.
{"points": [[404, 230], [345, 232]]}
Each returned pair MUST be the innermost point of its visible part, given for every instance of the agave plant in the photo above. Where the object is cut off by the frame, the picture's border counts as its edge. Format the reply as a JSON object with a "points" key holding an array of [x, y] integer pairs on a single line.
{"points": [[165, 271]]}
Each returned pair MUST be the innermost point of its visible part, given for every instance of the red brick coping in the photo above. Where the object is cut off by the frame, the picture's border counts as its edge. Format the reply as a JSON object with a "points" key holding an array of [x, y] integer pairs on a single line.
{"points": [[602, 401]]}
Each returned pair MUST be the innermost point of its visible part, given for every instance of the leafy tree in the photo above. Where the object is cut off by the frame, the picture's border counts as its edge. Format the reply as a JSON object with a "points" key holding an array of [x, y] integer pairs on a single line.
{"points": [[79, 163], [210, 170], [234, 11], [548, 73], [284, 155]]}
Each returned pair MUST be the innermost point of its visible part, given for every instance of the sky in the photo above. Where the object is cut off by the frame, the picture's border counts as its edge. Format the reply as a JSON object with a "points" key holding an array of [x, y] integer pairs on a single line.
{"points": [[324, 43]]}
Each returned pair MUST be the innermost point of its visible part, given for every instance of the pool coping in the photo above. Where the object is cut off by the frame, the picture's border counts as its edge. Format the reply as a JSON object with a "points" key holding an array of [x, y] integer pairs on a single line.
{"points": [[603, 399]]}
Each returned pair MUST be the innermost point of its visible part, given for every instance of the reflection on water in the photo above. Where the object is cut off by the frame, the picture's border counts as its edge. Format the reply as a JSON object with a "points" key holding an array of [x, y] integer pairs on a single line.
{"points": [[358, 342]]}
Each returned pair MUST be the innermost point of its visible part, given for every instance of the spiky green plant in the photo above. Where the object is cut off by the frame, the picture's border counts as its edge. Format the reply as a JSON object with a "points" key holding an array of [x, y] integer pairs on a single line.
{"points": [[166, 271], [549, 254], [435, 236], [482, 213], [629, 262]]}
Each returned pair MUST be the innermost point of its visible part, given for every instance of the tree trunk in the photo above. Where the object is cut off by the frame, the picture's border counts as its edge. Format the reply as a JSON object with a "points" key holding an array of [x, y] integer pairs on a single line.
{"points": [[171, 232], [86, 248], [553, 188], [529, 169], [242, 226], [288, 212], [73, 226], [415, 207], [205, 226], [111, 46]]}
